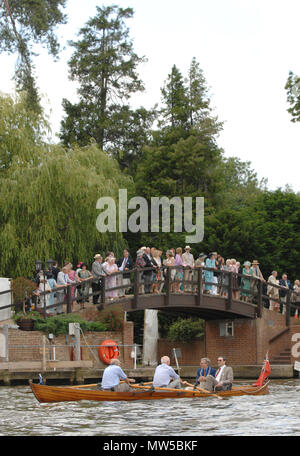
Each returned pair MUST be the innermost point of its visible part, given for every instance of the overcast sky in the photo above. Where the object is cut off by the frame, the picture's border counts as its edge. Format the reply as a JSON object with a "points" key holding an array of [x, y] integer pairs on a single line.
{"points": [[246, 49]]}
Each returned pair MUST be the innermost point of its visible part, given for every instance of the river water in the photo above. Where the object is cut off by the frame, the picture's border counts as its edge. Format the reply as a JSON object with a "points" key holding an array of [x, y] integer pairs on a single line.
{"points": [[276, 414]]}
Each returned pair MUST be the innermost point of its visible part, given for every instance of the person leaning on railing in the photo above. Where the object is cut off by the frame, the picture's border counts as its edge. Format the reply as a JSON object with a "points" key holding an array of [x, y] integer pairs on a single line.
{"points": [[273, 292], [98, 272]]}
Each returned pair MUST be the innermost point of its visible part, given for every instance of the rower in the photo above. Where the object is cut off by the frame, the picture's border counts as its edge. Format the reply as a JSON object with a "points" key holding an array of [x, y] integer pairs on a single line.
{"points": [[112, 376], [165, 376]]}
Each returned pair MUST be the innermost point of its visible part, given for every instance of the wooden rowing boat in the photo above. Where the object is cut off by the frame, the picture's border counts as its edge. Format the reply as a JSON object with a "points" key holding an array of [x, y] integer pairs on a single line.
{"points": [[45, 393]]}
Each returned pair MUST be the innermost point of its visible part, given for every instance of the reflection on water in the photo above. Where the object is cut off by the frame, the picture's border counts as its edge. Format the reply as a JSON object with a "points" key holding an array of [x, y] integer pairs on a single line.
{"points": [[273, 414]]}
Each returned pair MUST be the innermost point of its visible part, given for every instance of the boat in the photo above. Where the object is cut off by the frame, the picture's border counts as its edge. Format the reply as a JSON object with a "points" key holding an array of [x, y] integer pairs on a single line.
{"points": [[46, 393]]}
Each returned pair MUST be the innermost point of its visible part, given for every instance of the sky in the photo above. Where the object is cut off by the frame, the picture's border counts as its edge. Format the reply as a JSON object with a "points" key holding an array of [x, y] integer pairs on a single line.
{"points": [[245, 49]]}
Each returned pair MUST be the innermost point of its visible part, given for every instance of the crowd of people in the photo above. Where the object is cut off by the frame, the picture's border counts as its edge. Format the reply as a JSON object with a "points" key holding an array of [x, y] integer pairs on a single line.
{"points": [[153, 270]]}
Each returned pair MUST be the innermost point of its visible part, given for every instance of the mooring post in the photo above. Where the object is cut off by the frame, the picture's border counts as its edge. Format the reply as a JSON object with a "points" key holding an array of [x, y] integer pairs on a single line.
{"points": [[77, 353]]}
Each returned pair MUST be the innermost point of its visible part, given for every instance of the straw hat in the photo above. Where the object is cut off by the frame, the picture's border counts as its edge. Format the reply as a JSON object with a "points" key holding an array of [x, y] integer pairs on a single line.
{"points": [[97, 256], [255, 262], [187, 247]]}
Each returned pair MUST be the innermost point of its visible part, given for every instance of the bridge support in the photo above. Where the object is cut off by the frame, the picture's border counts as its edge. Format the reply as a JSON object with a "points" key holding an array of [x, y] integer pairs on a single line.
{"points": [[150, 337]]}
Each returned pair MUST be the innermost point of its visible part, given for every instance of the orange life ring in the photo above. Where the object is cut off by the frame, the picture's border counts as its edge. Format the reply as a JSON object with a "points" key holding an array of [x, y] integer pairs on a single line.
{"points": [[108, 350]]}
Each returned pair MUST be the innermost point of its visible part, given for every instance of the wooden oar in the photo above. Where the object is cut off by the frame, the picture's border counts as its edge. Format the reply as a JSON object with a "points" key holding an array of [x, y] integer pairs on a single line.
{"points": [[204, 390], [158, 388], [84, 386], [177, 390]]}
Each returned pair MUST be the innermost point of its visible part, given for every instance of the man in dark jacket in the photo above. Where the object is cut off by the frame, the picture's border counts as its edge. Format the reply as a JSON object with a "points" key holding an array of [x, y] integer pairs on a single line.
{"points": [[125, 264], [284, 282], [148, 274]]}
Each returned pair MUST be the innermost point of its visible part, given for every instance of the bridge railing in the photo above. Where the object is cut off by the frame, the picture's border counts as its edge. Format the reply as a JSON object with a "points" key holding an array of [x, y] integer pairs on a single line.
{"points": [[171, 280]]}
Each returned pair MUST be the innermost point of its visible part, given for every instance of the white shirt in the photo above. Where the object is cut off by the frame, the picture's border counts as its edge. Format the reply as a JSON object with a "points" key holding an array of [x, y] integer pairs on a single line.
{"points": [[218, 376]]}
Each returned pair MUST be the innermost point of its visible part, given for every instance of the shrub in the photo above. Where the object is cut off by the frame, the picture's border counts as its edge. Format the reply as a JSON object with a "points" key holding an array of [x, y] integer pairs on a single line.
{"points": [[60, 324], [113, 320], [185, 330]]}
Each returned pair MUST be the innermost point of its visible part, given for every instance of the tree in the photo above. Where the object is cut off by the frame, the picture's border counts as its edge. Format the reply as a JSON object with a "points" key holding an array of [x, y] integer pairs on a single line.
{"points": [[48, 196], [105, 66], [23, 24], [183, 157], [293, 96]]}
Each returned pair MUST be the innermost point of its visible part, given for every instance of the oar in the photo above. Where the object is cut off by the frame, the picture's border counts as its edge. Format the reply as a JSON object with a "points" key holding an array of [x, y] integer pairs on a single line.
{"points": [[158, 388], [176, 390], [205, 391], [83, 386]]}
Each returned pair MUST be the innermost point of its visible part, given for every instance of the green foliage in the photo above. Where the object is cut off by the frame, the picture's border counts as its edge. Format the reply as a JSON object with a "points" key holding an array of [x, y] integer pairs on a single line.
{"points": [[23, 24], [185, 330], [48, 197], [60, 324], [22, 288], [293, 96], [113, 320], [32, 315], [105, 66]]}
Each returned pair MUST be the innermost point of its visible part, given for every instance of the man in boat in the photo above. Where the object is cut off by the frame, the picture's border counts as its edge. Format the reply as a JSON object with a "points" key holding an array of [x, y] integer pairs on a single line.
{"points": [[222, 380], [112, 376], [204, 371], [165, 376]]}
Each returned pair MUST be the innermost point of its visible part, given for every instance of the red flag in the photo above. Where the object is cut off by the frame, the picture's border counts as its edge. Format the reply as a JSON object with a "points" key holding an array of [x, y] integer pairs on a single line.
{"points": [[265, 372]]}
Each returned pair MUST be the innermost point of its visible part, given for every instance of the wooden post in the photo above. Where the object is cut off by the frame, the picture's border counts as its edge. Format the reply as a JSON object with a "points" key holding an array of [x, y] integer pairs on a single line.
{"points": [[288, 308], [77, 355], [168, 284], [69, 303], [259, 298], [103, 286], [44, 353], [5, 334], [199, 287], [135, 288], [230, 283]]}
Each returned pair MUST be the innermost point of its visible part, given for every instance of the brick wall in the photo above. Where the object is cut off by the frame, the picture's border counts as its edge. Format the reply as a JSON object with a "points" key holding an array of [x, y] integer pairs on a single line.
{"points": [[238, 349], [191, 353], [27, 345]]}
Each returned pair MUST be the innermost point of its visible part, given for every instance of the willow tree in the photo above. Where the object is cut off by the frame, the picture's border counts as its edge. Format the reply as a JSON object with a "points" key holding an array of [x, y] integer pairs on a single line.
{"points": [[48, 197]]}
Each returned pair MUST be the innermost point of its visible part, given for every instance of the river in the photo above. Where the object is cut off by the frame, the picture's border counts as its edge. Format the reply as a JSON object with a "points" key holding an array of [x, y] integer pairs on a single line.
{"points": [[276, 414]]}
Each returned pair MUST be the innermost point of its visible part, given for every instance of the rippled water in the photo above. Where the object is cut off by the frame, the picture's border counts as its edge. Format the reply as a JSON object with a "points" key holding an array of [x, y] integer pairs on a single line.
{"points": [[273, 414]]}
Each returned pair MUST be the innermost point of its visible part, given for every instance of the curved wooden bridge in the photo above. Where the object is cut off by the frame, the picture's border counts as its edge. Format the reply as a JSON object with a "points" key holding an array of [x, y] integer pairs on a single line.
{"points": [[199, 300]]}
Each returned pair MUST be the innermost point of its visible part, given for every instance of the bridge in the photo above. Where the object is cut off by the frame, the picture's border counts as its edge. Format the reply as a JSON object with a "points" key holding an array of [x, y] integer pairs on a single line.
{"points": [[227, 296]]}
